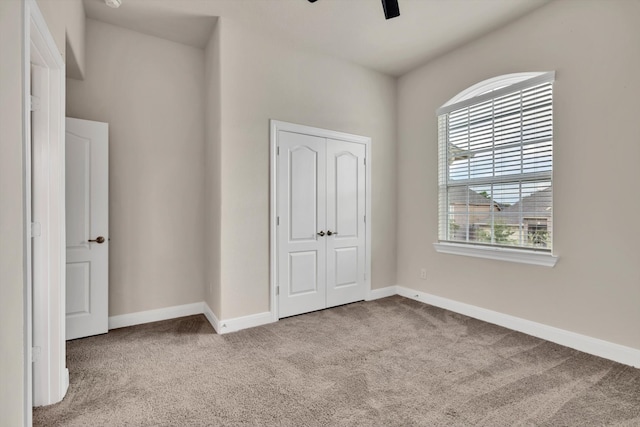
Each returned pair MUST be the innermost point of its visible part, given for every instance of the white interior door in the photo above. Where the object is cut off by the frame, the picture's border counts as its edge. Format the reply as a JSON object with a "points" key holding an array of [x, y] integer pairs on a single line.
{"points": [[346, 235], [301, 229], [87, 228], [321, 237]]}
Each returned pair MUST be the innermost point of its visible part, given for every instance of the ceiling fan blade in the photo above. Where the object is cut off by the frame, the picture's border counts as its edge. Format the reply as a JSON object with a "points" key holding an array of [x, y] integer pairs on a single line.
{"points": [[391, 8]]}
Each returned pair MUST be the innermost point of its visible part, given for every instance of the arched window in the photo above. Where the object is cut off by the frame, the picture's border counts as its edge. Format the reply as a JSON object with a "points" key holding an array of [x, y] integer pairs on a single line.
{"points": [[496, 164]]}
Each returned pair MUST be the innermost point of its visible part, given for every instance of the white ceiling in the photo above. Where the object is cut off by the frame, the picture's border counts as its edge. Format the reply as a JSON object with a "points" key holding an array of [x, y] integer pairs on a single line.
{"points": [[354, 30]]}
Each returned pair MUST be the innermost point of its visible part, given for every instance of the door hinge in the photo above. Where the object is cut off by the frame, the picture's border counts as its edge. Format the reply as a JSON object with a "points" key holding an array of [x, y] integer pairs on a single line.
{"points": [[35, 103], [35, 354], [277, 220], [36, 229], [365, 219], [365, 161], [277, 290], [277, 151]]}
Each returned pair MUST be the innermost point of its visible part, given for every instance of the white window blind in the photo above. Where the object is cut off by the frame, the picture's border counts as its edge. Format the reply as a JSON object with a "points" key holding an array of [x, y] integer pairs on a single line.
{"points": [[496, 164]]}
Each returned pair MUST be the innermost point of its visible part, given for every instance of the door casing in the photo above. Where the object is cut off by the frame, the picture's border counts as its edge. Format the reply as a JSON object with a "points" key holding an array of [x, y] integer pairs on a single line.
{"points": [[46, 185], [275, 127]]}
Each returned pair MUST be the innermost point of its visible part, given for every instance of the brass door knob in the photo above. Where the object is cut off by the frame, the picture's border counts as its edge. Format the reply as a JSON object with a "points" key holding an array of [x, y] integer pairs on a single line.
{"points": [[321, 233], [99, 240]]}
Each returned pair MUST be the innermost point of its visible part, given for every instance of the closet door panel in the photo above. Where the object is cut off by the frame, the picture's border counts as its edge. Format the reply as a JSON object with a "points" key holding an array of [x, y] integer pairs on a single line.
{"points": [[302, 215], [346, 207]]}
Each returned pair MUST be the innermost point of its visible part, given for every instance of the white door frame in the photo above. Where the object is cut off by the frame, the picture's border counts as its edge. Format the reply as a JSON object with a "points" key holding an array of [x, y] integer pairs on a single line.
{"points": [[275, 127], [46, 289]]}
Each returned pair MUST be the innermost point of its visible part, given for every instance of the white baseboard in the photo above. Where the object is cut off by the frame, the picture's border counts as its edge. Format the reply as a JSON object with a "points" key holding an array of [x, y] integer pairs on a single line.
{"points": [[608, 350], [148, 316], [244, 322], [235, 324], [374, 294], [211, 317], [221, 326], [65, 382]]}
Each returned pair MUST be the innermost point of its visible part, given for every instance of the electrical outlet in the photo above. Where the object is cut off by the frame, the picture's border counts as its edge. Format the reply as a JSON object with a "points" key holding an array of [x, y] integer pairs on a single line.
{"points": [[423, 273]]}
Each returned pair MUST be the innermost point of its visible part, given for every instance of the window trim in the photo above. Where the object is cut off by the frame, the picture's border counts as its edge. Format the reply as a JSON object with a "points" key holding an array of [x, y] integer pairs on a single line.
{"points": [[523, 256], [480, 92]]}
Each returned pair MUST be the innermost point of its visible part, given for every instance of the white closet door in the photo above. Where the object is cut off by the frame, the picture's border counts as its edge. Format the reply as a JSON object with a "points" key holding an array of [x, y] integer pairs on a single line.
{"points": [[301, 210], [346, 210]]}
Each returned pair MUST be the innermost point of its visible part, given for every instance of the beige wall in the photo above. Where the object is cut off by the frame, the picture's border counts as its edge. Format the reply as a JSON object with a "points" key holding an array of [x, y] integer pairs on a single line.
{"points": [[212, 173], [261, 80], [12, 326], [595, 287], [149, 90], [66, 21], [229, 199]]}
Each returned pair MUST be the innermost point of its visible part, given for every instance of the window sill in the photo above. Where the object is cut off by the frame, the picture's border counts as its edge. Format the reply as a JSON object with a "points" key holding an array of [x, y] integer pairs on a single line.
{"points": [[501, 254]]}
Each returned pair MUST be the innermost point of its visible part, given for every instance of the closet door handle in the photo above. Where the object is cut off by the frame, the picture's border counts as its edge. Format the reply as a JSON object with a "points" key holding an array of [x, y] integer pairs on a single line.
{"points": [[329, 233], [99, 240], [321, 233]]}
